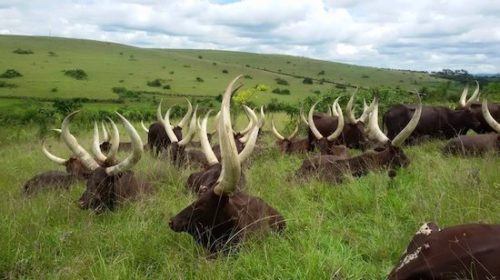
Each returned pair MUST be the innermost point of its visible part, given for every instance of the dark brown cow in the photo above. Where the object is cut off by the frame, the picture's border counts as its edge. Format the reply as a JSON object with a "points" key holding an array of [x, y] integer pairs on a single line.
{"points": [[352, 135], [73, 165], [49, 180], [108, 186], [469, 251], [221, 217], [158, 139], [288, 144], [475, 107], [389, 155], [476, 144]]}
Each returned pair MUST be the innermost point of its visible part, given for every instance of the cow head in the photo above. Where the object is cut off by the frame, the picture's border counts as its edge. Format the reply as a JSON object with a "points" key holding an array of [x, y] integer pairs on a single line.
{"points": [[325, 143], [465, 103], [73, 165], [284, 143], [207, 219], [100, 192]]}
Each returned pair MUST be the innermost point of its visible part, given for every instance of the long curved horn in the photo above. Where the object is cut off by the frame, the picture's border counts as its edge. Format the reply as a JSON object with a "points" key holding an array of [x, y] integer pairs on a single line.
{"points": [[473, 97], [349, 108], [252, 136], [159, 116], [463, 97], [302, 117], [96, 150], [205, 144], [187, 116], [312, 126], [373, 129], [249, 126], [52, 157], [168, 127], [335, 113], [330, 113], [340, 125], [73, 145], [254, 120], [192, 129], [262, 119], [137, 149], [406, 132], [115, 141], [105, 135], [144, 127], [488, 117], [294, 133], [58, 130], [366, 112], [275, 131], [231, 166]]}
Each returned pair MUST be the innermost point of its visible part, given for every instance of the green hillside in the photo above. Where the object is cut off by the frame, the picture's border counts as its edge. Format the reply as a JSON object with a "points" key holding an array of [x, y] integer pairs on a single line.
{"points": [[111, 65]]}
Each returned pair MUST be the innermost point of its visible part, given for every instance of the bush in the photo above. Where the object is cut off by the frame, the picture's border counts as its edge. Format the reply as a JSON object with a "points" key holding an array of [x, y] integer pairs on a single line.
{"points": [[51, 53], [365, 76], [199, 80], [21, 51], [154, 83], [10, 73], [119, 90], [248, 77], [77, 74], [166, 87], [322, 72], [66, 106], [200, 57], [307, 81], [281, 81], [54, 90], [225, 71], [6, 85], [281, 91]]}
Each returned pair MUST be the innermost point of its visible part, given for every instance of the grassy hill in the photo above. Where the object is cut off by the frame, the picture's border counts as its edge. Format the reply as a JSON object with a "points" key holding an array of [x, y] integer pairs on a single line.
{"points": [[180, 72]]}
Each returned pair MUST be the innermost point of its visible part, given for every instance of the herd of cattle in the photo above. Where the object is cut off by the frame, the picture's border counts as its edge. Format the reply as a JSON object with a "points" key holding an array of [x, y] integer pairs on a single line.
{"points": [[223, 213]]}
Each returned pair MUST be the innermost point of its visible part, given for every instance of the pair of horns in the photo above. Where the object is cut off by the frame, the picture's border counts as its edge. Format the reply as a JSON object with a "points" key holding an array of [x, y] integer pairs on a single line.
{"points": [[89, 162], [184, 120], [115, 142], [488, 117], [338, 130], [231, 160], [374, 131], [281, 137], [144, 127], [462, 103], [192, 126], [350, 111]]}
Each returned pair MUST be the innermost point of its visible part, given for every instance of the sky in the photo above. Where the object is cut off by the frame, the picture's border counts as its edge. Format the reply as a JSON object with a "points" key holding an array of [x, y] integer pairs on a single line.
{"points": [[404, 34]]}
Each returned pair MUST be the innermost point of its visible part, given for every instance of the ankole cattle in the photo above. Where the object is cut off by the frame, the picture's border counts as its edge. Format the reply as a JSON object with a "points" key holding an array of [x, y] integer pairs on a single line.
{"points": [[389, 155], [200, 182], [475, 107], [476, 144], [352, 134], [467, 251], [436, 121], [288, 144], [108, 186], [222, 217], [158, 140], [49, 180]]}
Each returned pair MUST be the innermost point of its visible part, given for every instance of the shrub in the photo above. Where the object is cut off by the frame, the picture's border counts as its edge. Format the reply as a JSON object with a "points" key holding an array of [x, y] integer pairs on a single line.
{"points": [[214, 63], [66, 106], [171, 72], [248, 77], [307, 81], [21, 51], [54, 90], [340, 86], [199, 80], [10, 73], [365, 76], [225, 71], [77, 74], [51, 53], [281, 91], [166, 87], [154, 83], [6, 85], [322, 72], [281, 81], [119, 90], [200, 57]]}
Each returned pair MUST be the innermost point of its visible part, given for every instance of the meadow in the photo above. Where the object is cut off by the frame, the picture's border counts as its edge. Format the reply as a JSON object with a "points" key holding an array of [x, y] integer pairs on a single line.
{"points": [[354, 230]]}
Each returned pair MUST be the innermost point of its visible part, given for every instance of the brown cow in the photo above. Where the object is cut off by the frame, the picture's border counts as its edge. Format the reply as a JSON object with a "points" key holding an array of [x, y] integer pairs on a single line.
{"points": [[475, 107], [389, 155], [49, 180], [221, 217], [476, 144], [469, 251], [288, 144], [108, 186]]}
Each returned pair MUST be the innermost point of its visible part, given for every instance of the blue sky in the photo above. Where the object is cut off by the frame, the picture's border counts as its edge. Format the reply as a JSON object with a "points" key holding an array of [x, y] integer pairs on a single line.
{"points": [[419, 35]]}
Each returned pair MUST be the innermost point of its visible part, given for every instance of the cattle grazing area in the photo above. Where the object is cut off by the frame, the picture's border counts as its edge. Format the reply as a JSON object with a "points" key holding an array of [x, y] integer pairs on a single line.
{"points": [[357, 229]]}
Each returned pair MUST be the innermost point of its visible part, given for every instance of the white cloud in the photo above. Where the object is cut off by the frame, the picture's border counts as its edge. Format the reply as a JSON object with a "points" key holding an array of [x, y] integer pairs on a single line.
{"points": [[421, 35]]}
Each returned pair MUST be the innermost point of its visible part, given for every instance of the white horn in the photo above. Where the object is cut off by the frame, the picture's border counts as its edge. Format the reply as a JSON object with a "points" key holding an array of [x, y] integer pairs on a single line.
{"points": [[52, 157], [96, 149], [186, 117], [489, 118], [335, 113], [144, 127], [262, 119], [192, 129], [205, 144], [115, 141], [168, 127], [231, 166], [252, 136], [136, 154], [340, 125], [275, 131], [105, 135], [474, 96], [302, 117], [253, 121], [412, 124], [310, 120], [349, 108], [373, 129], [73, 145]]}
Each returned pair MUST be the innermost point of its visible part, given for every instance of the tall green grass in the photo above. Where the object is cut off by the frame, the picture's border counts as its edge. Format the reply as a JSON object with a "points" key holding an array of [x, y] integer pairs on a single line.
{"points": [[354, 230]]}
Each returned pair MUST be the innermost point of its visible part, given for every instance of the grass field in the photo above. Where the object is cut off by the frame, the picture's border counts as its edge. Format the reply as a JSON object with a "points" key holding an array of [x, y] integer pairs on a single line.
{"points": [[355, 230]]}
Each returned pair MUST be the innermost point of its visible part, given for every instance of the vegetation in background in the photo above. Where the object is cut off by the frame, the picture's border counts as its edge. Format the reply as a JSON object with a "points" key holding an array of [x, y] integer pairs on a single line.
{"points": [[10, 73], [77, 74]]}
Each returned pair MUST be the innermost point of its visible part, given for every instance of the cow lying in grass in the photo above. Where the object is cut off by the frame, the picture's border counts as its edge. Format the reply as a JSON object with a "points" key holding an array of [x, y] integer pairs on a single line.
{"points": [[222, 217]]}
